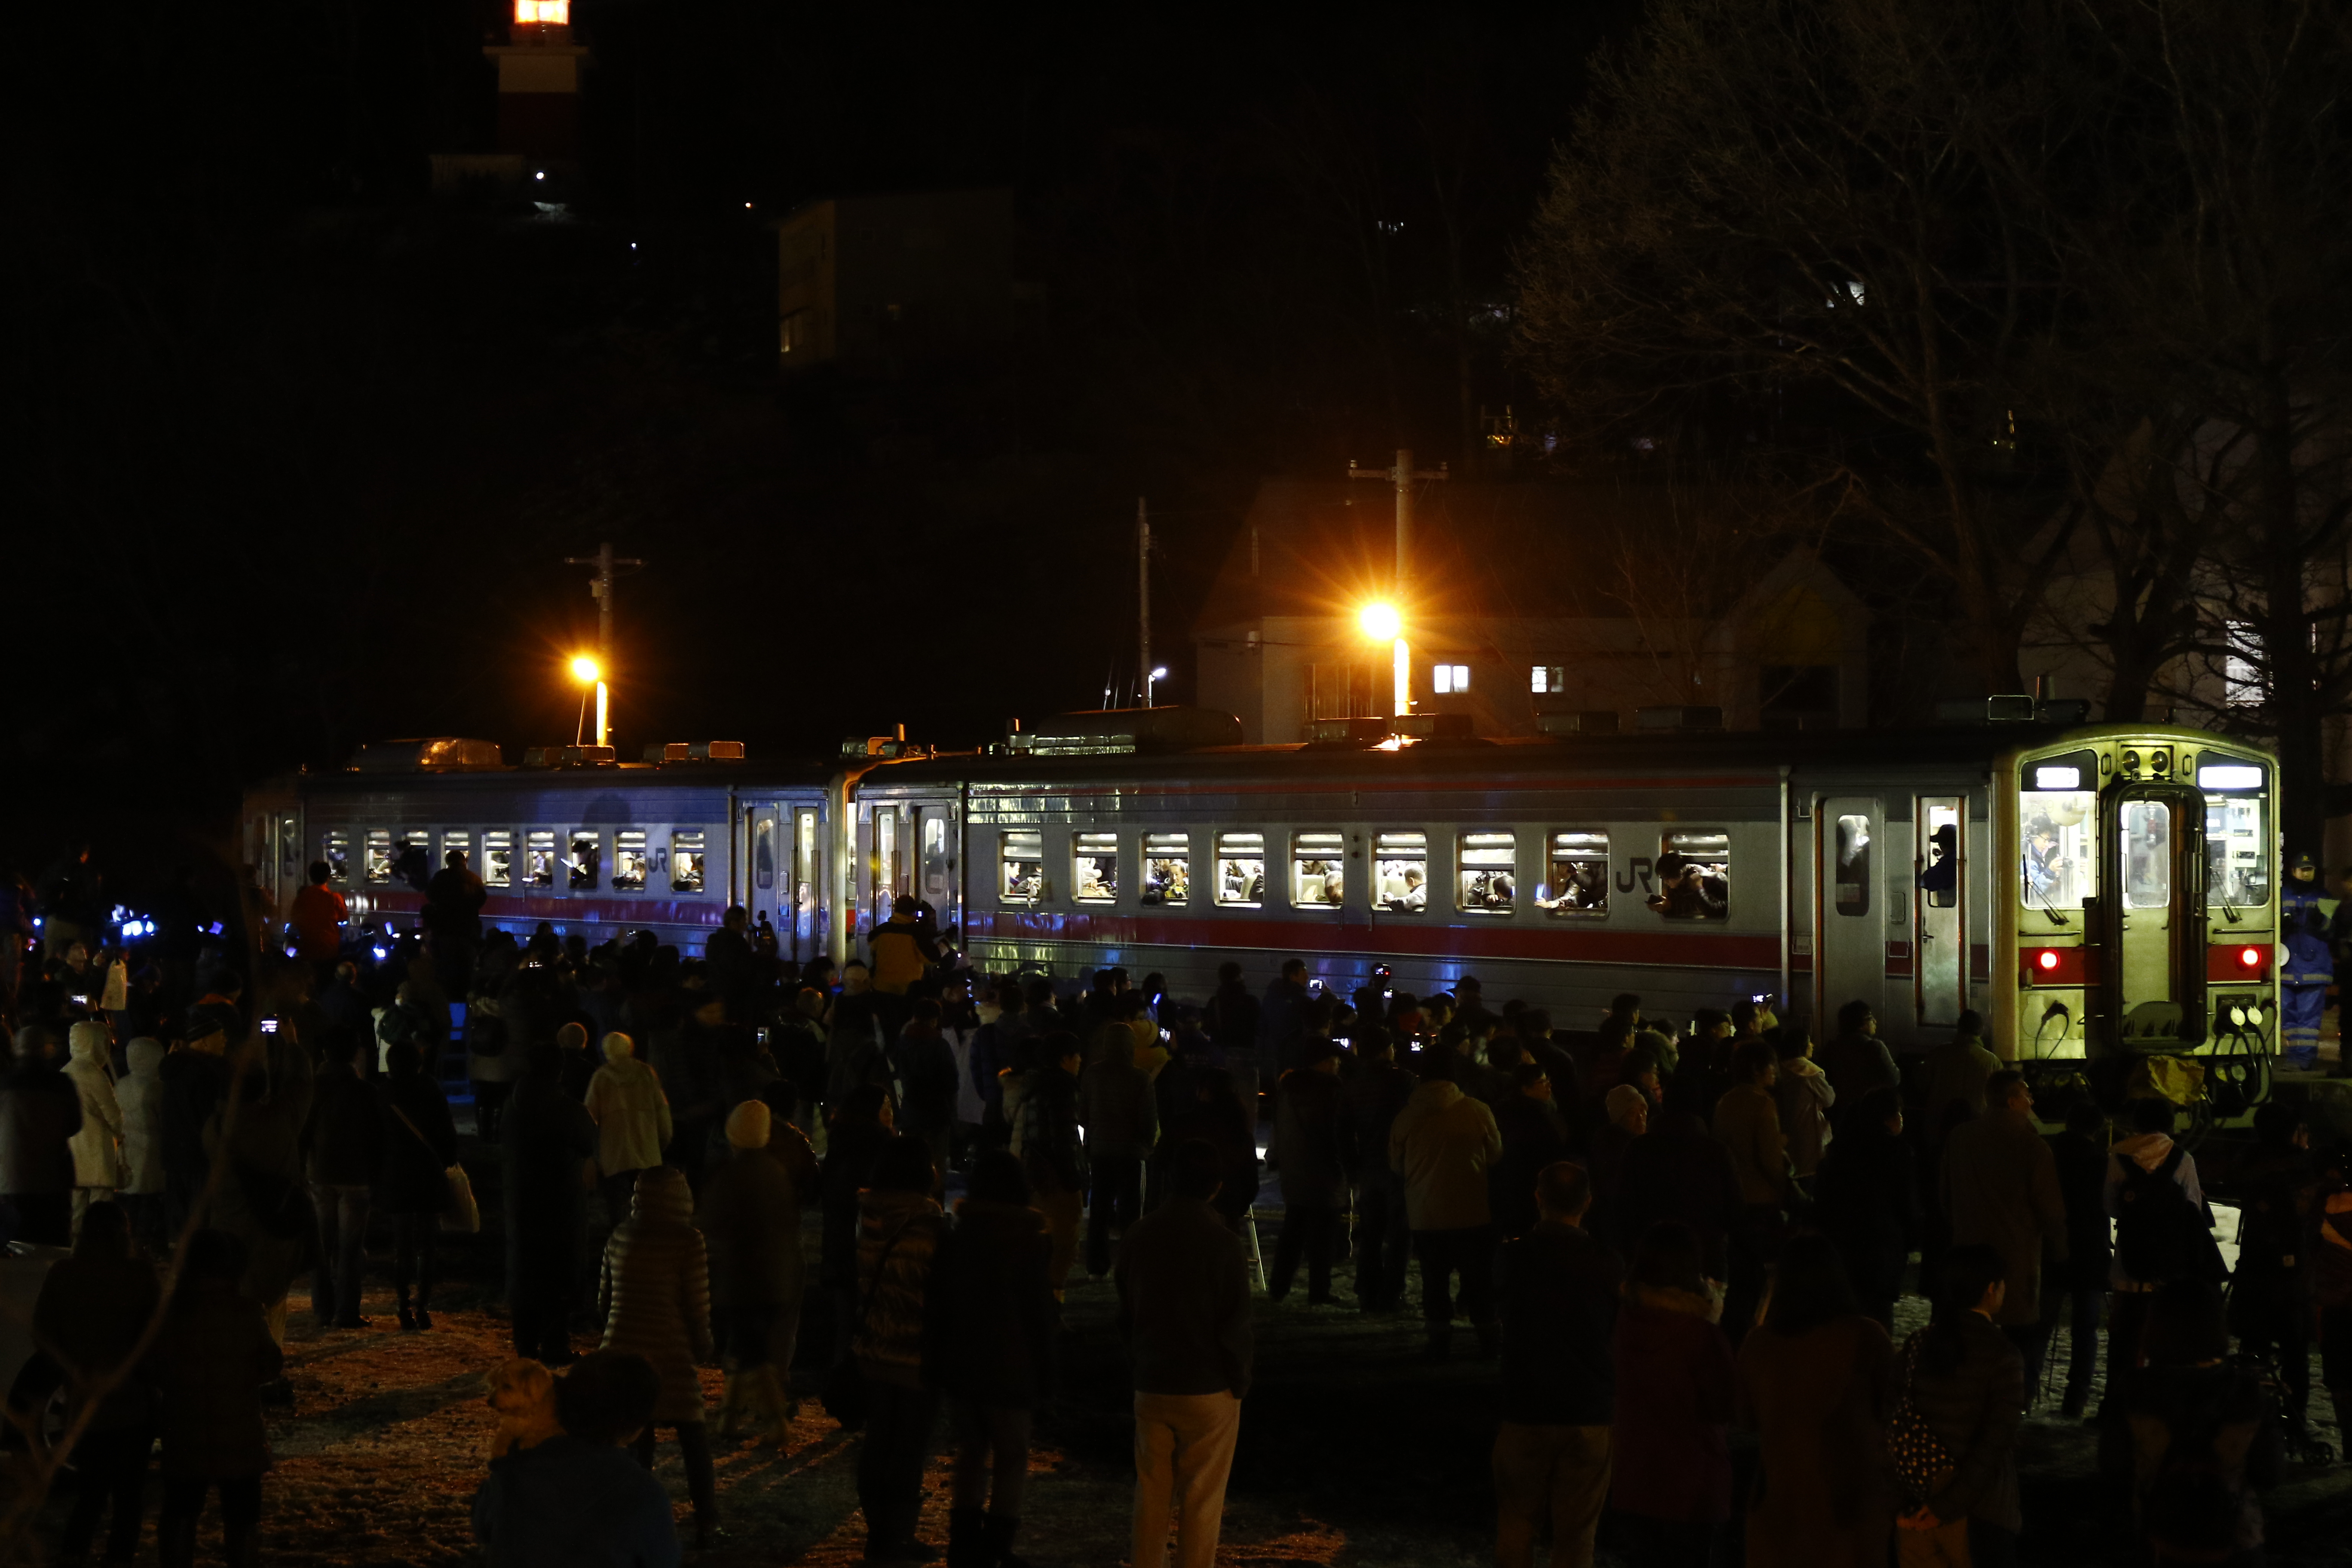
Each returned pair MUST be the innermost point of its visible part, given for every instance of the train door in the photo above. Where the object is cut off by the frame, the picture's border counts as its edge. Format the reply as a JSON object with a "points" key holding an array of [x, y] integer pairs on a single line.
{"points": [[2152, 921], [806, 936], [767, 891], [1939, 938], [1850, 949], [936, 854]]}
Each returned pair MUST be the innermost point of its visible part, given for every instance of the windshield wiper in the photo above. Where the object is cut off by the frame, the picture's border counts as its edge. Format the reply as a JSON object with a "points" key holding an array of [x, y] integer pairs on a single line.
{"points": [[2227, 908], [2055, 918]]}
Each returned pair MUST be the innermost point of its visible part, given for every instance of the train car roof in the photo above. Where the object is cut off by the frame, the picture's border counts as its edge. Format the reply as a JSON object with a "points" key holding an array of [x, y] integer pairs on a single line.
{"points": [[740, 776], [1634, 752]]}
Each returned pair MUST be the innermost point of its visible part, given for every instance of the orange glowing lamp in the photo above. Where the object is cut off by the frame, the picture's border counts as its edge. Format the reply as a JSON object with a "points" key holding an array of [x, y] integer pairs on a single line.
{"points": [[542, 13]]}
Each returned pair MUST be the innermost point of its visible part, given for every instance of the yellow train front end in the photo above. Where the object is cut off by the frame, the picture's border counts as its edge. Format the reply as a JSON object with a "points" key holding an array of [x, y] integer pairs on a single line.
{"points": [[2135, 944]]}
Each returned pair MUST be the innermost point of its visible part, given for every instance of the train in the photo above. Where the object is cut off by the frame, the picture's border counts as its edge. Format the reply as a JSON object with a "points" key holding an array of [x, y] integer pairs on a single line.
{"points": [[2102, 896]]}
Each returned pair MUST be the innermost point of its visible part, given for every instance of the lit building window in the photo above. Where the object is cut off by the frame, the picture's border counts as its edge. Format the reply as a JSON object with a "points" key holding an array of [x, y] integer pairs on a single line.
{"points": [[1450, 678], [544, 12], [1548, 679]]}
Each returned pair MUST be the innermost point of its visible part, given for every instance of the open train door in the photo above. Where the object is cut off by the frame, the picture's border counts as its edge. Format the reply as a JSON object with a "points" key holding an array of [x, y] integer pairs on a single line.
{"points": [[1849, 923], [2151, 917], [1939, 938]]}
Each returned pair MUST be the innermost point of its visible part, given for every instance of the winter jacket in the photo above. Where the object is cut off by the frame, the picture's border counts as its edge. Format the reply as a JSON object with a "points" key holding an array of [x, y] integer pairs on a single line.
{"points": [[418, 1151], [191, 1086], [2001, 1188], [849, 1157], [926, 1071], [2082, 1166], [1824, 1495], [1534, 1135], [1867, 1202], [1748, 1125], [1218, 1123], [1184, 1301], [1443, 1143], [1672, 1457], [1046, 1132], [207, 1365], [1117, 1106], [1975, 1407], [902, 950], [98, 1146], [655, 1291], [1802, 1097], [1371, 1097], [548, 1140], [1312, 1138], [1675, 1171], [40, 1112], [90, 1312], [260, 1198], [2226, 1429], [631, 1112], [898, 1235], [1854, 1065], [988, 1317], [1557, 1287], [345, 1139], [750, 1217], [565, 1503], [1956, 1070], [140, 1097]]}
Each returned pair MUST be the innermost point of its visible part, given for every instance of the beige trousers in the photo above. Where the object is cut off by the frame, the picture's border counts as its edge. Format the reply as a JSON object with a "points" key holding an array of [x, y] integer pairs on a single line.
{"points": [[1183, 1455], [1559, 1471]]}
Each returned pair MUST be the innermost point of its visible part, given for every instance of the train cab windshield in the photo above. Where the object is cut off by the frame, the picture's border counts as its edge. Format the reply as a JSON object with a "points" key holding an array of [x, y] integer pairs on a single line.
{"points": [[2237, 835], [2058, 808]]}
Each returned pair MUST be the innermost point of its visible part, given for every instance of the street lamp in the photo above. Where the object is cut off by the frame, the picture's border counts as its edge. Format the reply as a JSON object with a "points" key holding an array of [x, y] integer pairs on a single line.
{"points": [[1382, 623], [586, 671], [1158, 673]]}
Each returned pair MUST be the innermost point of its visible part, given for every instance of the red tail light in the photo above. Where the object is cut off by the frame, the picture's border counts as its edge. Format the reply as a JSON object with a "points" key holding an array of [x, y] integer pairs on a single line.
{"points": [[2046, 961], [2250, 957]]}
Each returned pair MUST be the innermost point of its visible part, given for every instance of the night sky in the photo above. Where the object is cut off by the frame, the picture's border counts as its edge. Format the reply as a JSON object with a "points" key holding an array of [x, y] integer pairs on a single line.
{"points": [[297, 450]]}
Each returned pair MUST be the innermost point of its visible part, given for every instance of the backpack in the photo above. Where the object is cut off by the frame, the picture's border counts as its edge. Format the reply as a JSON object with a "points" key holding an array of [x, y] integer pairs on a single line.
{"points": [[2159, 1233], [1921, 1460]]}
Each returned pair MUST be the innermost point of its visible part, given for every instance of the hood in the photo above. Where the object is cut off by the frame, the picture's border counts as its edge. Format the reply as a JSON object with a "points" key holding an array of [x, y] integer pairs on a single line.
{"points": [[662, 1194], [2145, 1150], [1673, 1298], [1800, 1067], [90, 1042], [619, 1048], [145, 1057], [1437, 1094]]}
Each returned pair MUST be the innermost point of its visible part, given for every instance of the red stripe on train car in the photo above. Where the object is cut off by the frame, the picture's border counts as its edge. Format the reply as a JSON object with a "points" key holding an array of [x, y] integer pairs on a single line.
{"points": [[1560, 944], [555, 908]]}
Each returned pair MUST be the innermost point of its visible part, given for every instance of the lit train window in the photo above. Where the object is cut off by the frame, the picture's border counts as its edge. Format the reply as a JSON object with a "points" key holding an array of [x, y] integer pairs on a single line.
{"points": [[497, 860], [1318, 874], [540, 857], [685, 862], [1094, 867], [2147, 854], [2237, 835], [2057, 811], [378, 866], [1021, 865], [1240, 870], [1401, 871], [586, 860], [1485, 872], [1167, 868], [1852, 884], [1577, 883], [462, 843], [1694, 876], [413, 862], [629, 862], [335, 849]]}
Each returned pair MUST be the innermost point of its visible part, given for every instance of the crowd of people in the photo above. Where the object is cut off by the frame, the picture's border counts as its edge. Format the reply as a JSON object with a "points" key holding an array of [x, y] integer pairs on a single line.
{"points": [[1667, 1235]]}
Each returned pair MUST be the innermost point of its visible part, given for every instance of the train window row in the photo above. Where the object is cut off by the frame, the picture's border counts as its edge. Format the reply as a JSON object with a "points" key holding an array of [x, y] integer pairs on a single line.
{"points": [[1690, 878], [574, 860]]}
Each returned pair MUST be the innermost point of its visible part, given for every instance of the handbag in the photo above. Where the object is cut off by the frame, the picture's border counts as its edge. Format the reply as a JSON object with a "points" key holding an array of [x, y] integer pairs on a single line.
{"points": [[844, 1393], [459, 1212], [1920, 1458]]}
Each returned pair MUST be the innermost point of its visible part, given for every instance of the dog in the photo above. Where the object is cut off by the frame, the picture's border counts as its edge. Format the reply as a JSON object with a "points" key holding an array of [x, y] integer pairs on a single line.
{"points": [[523, 1393]]}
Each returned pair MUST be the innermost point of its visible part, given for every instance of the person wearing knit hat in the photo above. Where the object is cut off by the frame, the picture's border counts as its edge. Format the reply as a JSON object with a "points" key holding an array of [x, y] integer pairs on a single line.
{"points": [[1629, 1107], [98, 1146], [750, 1219]]}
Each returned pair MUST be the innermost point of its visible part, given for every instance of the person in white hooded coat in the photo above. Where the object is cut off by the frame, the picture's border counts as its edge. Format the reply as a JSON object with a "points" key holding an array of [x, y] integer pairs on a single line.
{"points": [[632, 1117], [98, 1147], [139, 1096]]}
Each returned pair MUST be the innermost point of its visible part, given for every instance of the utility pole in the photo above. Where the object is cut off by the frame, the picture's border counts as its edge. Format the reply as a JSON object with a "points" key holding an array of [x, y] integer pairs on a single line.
{"points": [[1402, 477], [600, 588], [1143, 597]]}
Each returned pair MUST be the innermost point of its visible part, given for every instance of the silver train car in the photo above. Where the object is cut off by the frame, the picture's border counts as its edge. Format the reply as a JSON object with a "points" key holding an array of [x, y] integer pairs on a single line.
{"points": [[2101, 893]]}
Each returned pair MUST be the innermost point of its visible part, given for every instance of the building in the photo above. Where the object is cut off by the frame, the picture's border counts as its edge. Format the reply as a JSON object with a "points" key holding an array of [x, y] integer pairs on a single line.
{"points": [[870, 283], [1531, 607]]}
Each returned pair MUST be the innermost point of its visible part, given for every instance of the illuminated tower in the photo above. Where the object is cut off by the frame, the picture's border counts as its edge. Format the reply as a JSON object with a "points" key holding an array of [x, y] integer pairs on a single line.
{"points": [[539, 83]]}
